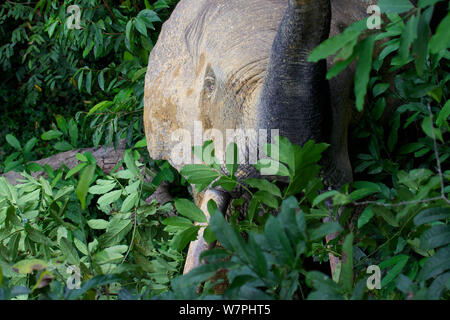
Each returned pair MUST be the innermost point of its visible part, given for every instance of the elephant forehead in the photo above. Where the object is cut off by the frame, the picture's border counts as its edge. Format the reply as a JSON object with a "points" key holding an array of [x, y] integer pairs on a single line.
{"points": [[232, 33], [201, 33]]}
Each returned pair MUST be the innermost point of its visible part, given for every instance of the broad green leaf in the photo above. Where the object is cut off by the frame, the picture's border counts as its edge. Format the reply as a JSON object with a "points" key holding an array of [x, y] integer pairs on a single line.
{"points": [[443, 114], [267, 198], [231, 157], [117, 229], [324, 230], [435, 237], [278, 241], [83, 184], [395, 6], [101, 80], [102, 189], [98, 224], [12, 140], [75, 170], [365, 217], [100, 106], [140, 26], [109, 197], [430, 130], [332, 45], [347, 266], [324, 196], [63, 146], [130, 202], [408, 36], [51, 134], [264, 185], [441, 39], [29, 265], [431, 215], [178, 222], [199, 174], [130, 162], [182, 239], [435, 265], [190, 210], [399, 263], [69, 251], [363, 68]]}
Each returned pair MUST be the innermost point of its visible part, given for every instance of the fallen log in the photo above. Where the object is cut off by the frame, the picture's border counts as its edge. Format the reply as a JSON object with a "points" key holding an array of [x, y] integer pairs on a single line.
{"points": [[107, 158]]}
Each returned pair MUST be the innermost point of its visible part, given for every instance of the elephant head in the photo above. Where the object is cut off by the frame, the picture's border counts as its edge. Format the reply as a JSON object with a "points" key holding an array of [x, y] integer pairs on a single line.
{"points": [[233, 64]]}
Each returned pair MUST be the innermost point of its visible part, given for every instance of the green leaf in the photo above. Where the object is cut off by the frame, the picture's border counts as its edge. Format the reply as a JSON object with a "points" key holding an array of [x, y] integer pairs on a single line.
{"points": [[324, 196], [324, 230], [365, 217], [30, 145], [190, 210], [441, 39], [408, 36], [182, 239], [89, 82], [199, 174], [426, 3], [264, 185], [226, 182], [100, 106], [69, 251], [109, 198], [37, 236], [431, 215], [140, 26], [12, 140], [347, 267], [435, 237], [363, 68], [178, 222], [101, 80], [386, 214], [430, 130], [395, 6], [267, 198], [331, 46], [226, 235], [435, 265], [128, 158], [130, 202], [83, 185], [51, 134], [98, 224], [141, 144], [399, 263], [231, 156], [51, 29], [443, 114], [278, 241], [128, 32], [63, 146], [29, 265], [117, 229], [75, 170]]}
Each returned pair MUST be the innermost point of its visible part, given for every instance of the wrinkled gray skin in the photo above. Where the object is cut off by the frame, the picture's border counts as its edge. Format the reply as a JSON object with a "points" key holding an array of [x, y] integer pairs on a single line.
{"points": [[242, 64]]}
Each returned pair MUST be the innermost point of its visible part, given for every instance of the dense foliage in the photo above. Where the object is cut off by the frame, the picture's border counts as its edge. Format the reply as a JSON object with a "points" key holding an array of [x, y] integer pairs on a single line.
{"points": [[124, 246]]}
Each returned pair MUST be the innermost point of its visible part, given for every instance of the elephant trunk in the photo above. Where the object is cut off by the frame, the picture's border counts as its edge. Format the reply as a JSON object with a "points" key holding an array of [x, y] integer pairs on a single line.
{"points": [[295, 95]]}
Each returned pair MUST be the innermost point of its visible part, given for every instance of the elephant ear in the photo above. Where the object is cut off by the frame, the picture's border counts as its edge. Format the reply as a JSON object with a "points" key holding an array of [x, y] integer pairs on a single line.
{"points": [[170, 99]]}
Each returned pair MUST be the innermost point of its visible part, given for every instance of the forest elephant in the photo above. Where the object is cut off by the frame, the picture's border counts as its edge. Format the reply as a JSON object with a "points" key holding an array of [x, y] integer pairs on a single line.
{"points": [[233, 64]]}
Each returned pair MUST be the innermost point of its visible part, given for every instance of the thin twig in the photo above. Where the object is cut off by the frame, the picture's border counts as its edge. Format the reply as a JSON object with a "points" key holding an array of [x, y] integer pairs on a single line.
{"points": [[436, 153], [109, 9]]}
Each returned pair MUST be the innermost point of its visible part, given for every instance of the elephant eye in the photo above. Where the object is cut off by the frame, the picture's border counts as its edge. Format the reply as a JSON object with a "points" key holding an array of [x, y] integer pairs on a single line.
{"points": [[210, 85]]}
